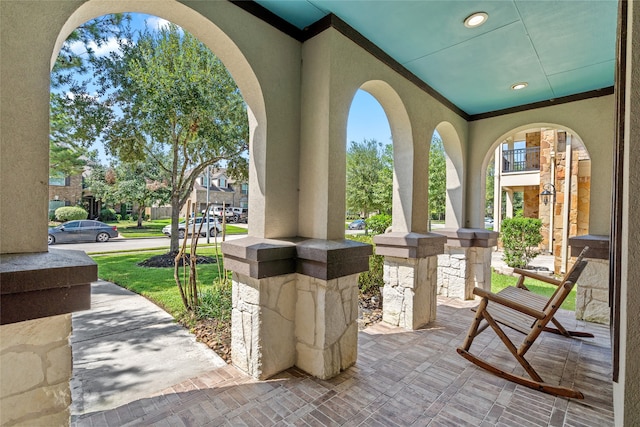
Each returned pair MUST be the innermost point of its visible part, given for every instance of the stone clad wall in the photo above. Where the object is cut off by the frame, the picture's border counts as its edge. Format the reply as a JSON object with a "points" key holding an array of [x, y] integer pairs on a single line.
{"points": [[460, 270], [35, 358], [262, 318], [326, 324], [409, 291], [592, 292]]}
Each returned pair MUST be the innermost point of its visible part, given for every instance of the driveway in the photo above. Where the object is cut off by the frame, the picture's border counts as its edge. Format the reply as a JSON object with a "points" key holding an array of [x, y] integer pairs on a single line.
{"points": [[126, 348]]}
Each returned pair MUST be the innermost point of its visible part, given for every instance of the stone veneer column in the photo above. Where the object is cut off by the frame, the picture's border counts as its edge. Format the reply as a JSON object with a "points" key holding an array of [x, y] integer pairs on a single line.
{"points": [[592, 291], [410, 276], [295, 303], [38, 291], [466, 262]]}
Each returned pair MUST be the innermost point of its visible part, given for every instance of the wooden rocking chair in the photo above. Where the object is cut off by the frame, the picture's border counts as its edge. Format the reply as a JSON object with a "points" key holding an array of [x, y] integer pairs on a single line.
{"points": [[529, 314]]}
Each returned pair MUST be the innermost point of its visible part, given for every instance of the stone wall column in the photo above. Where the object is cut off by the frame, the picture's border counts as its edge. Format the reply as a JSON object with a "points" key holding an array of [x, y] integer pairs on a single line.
{"points": [[410, 276], [466, 262], [592, 290], [38, 291], [295, 303]]}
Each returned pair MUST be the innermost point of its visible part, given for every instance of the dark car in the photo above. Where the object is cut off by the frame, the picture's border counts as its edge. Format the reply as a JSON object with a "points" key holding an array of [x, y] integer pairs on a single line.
{"points": [[358, 224], [82, 231]]}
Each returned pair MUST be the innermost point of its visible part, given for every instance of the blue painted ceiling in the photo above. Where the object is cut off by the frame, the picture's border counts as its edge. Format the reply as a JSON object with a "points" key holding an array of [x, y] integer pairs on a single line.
{"points": [[560, 47]]}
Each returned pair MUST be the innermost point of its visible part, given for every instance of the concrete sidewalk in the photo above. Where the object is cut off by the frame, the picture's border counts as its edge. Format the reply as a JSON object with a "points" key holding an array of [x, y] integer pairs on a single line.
{"points": [[542, 260], [126, 348]]}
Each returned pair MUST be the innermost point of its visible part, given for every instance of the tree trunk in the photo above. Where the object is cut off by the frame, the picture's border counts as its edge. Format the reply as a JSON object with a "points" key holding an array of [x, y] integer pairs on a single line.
{"points": [[140, 215], [175, 218]]}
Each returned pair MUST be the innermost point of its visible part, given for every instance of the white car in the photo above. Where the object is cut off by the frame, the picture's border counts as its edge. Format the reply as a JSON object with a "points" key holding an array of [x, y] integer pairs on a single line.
{"points": [[213, 228]]}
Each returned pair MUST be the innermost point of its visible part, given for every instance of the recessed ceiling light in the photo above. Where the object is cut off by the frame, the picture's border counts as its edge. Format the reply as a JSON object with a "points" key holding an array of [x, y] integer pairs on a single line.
{"points": [[518, 86], [475, 19]]}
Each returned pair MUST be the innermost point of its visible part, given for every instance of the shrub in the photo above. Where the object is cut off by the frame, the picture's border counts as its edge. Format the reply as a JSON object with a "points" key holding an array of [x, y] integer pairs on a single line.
{"points": [[378, 223], [520, 238], [108, 214], [371, 281], [69, 213], [215, 303]]}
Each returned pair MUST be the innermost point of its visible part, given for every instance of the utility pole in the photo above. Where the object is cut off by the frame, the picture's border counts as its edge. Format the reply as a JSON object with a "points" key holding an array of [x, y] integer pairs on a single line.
{"points": [[207, 213]]}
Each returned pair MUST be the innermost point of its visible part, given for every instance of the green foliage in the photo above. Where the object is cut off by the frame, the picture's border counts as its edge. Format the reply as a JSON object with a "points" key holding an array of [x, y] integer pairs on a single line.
{"points": [[370, 281], [70, 213], [215, 302], [437, 179], [489, 189], [378, 223], [108, 214], [178, 106], [369, 177], [520, 238]]}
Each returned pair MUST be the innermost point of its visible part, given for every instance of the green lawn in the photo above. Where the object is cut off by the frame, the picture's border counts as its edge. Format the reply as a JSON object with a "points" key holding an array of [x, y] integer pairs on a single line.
{"points": [[501, 281], [156, 284], [129, 229]]}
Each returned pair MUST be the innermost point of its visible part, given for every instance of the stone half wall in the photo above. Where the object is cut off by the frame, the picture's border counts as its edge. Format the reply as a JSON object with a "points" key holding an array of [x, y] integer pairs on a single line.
{"points": [[35, 358], [461, 269]]}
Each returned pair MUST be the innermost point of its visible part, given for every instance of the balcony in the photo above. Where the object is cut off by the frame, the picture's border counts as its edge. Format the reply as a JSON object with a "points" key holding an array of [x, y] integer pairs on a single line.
{"points": [[521, 160]]}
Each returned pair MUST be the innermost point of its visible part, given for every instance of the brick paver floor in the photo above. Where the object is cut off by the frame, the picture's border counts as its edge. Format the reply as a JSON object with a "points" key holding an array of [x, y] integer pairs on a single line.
{"points": [[401, 378]]}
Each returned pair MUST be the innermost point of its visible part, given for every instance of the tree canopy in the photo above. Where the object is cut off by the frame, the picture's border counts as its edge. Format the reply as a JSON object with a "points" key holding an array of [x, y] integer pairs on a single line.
{"points": [[369, 177], [437, 179], [172, 101]]}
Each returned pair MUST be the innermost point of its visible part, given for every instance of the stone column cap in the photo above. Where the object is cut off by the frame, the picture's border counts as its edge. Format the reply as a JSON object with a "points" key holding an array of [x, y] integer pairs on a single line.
{"points": [[470, 237], [44, 284], [598, 245], [409, 245], [258, 249]]}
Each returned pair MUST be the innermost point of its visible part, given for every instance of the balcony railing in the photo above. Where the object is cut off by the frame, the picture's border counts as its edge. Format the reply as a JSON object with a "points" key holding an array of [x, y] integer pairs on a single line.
{"points": [[521, 160]]}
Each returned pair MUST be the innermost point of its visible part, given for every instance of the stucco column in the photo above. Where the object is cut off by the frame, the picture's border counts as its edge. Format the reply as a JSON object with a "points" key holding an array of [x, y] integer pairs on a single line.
{"points": [[295, 303], [466, 262], [410, 276]]}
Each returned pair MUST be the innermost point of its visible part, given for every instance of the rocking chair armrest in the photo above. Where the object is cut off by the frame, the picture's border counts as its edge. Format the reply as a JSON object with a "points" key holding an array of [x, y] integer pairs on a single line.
{"points": [[536, 276], [509, 303]]}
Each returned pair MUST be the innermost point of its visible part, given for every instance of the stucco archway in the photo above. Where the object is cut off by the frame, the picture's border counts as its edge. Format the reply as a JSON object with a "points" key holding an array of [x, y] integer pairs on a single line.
{"points": [[455, 175], [220, 44], [401, 135]]}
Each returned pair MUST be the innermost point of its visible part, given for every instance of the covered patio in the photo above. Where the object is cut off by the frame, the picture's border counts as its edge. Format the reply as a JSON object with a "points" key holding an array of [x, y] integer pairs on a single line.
{"points": [[403, 378], [299, 358]]}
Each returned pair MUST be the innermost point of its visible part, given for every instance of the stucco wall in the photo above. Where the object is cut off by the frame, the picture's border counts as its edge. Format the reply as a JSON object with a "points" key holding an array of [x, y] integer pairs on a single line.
{"points": [[627, 389]]}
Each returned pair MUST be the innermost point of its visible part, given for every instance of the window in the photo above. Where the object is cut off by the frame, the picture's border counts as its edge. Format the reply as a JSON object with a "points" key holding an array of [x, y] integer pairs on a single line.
{"points": [[222, 182], [60, 181], [245, 189]]}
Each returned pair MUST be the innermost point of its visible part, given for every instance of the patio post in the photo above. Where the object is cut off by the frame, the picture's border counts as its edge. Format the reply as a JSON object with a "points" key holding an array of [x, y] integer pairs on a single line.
{"points": [[466, 262], [410, 276]]}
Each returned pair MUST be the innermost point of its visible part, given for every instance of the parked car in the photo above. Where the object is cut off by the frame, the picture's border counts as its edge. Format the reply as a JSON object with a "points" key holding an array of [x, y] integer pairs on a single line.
{"points": [[240, 214], [358, 224], [217, 212], [82, 231], [213, 227]]}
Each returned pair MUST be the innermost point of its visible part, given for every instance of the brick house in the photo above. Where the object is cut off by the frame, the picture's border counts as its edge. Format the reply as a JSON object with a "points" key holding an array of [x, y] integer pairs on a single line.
{"points": [[222, 190]]}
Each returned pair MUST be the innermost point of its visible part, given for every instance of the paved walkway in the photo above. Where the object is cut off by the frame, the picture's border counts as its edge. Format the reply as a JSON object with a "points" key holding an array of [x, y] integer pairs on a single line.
{"points": [[126, 348], [401, 378]]}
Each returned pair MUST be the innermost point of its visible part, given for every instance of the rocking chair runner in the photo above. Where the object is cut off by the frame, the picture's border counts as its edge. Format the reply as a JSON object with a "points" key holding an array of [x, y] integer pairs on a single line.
{"points": [[529, 314]]}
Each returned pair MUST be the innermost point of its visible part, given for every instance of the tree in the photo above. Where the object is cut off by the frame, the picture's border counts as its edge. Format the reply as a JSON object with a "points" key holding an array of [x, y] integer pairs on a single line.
{"points": [[489, 189], [437, 179], [366, 188], [76, 119], [177, 106], [141, 184]]}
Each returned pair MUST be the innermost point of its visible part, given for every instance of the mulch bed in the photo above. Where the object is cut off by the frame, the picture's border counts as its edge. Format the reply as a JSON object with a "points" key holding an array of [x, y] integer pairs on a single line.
{"points": [[168, 260]]}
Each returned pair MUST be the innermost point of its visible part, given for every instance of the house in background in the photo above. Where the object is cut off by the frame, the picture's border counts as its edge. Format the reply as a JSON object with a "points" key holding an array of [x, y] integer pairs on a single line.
{"points": [[552, 170], [222, 190]]}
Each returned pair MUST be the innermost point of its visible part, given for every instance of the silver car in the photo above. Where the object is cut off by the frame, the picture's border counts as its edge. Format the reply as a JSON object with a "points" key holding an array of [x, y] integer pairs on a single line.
{"points": [[213, 227], [82, 231]]}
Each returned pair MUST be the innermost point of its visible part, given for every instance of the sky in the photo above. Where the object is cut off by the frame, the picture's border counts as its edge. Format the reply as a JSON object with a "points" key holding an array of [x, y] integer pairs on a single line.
{"points": [[367, 119]]}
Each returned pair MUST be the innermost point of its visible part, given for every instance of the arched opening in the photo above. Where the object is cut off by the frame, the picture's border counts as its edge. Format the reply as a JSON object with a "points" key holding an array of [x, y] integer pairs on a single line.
{"points": [[541, 171], [369, 163], [446, 176], [230, 54]]}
